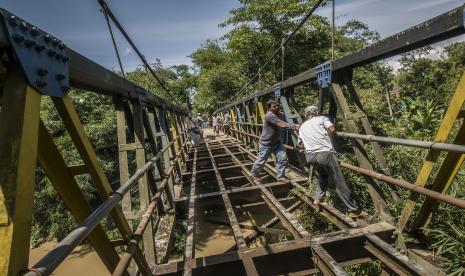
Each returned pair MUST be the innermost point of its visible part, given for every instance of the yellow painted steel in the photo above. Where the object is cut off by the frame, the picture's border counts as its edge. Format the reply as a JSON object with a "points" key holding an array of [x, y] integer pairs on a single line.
{"points": [[174, 130], [442, 181], [56, 170], [19, 131], [232, 114], [444, 130], [122, 154], [72, 123], [259, 115]]}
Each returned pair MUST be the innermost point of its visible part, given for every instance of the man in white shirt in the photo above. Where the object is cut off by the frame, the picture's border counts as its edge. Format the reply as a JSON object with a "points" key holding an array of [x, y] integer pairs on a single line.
{"points": [[216, 124], [194, 131], [315, 135]]}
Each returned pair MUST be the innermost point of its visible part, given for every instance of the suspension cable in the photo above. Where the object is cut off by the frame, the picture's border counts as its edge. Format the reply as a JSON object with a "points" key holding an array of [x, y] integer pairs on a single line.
{"points": [[104, 10], [105, 7], [278, 50]]}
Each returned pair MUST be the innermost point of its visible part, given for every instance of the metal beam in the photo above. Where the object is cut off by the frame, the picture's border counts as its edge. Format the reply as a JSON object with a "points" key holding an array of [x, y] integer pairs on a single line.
{"points": [[227, 204], [63, 180], [189, 252], [19, 132], [442, 27], [286, 257]]}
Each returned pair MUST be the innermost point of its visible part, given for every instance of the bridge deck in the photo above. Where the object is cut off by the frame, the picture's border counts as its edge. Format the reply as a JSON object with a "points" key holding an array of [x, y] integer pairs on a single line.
{"points": [[217, 177]]}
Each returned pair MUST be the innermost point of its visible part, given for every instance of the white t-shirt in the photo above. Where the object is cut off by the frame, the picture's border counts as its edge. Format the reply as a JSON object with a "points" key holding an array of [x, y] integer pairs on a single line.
{"points": [[314, 135]]}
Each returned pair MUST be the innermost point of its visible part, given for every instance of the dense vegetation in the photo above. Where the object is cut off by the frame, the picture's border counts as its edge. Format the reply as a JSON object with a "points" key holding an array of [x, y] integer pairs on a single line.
{"points": [[222, 67]]}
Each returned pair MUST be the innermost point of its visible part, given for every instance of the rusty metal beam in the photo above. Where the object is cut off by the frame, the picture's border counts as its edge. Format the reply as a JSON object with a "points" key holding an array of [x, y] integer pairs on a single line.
{"points": [[189, 252], [286, 257], [227, 204], [286, 218]]}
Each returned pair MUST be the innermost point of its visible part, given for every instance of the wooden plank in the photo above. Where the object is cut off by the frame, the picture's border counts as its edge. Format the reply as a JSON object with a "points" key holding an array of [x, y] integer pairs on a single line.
{"points": [[19, 131]]}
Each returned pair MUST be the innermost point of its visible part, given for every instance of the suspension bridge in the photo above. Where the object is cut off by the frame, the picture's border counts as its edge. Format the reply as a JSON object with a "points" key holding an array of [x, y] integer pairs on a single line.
{"points": [[210, 186]]}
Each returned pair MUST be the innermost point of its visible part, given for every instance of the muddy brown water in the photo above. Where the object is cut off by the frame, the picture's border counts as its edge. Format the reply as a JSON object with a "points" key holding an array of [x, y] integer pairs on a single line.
{"points": [[83, 261]]}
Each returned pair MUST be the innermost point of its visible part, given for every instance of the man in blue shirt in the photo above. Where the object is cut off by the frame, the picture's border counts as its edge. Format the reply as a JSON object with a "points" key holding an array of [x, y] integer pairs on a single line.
{"points": [[271, 141]]}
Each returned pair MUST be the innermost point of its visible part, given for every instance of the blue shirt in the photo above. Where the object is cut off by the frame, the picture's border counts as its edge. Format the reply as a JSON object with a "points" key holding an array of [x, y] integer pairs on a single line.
{"points": [[271, 132]]}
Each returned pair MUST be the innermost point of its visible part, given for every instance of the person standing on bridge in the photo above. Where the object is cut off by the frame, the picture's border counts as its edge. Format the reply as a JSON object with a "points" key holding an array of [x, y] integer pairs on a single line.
{"points": [[216, 124], [271, 142], [315, 135], [227, 124]]}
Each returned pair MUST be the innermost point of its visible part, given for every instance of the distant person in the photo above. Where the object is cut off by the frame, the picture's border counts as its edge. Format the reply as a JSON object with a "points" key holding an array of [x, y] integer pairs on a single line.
{"points": [[194, 131], [216, 124], [271, 142], [227, 124], [315, 135], [199, 121]]}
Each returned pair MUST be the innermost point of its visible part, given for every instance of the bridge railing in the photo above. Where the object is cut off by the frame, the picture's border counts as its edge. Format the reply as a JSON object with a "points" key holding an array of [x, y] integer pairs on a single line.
{"points": [[36, 65], [337, 94], [50, 262]]}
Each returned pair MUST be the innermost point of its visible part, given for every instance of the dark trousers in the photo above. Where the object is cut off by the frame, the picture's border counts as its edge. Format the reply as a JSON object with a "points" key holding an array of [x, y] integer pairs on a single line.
{"points": [[326, 166]]}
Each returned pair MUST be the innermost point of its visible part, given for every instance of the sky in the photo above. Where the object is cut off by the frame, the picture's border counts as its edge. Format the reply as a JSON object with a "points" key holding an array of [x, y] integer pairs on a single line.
{"points": [[171, 30]]}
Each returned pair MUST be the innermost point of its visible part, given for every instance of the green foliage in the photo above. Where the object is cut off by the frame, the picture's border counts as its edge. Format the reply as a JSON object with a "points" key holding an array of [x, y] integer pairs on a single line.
{"points": [[179, 81], [451, 243]]}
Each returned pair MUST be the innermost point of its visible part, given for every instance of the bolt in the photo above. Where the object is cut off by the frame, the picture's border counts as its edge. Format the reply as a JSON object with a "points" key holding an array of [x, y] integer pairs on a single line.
{"points": [[29, 42], [12, 20], [24, 26], [39, 48], [55, 42], [42, 72], [51, 53], [65, 59], [34, 31], [47, 38], [18, 38], [41, 83], [60, 77]]}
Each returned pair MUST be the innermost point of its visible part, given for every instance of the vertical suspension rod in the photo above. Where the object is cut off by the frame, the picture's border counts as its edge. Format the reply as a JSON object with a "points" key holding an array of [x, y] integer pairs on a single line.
{"points": [[104, 10], [104, 5]]}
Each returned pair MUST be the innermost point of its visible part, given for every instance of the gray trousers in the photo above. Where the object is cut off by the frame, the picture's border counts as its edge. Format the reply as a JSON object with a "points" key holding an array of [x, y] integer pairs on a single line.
{"points": [[326, 165]]}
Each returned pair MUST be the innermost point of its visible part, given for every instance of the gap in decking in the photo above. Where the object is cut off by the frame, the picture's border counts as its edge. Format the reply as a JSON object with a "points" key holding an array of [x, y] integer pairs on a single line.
{"points": [[213, 234]]}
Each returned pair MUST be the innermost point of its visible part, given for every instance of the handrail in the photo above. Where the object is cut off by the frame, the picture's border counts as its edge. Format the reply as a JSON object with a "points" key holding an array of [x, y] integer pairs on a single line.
{"points": [[405, 142], [408, 186], [390, 180], [392, 140], [53, 259], [144, 221]]}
